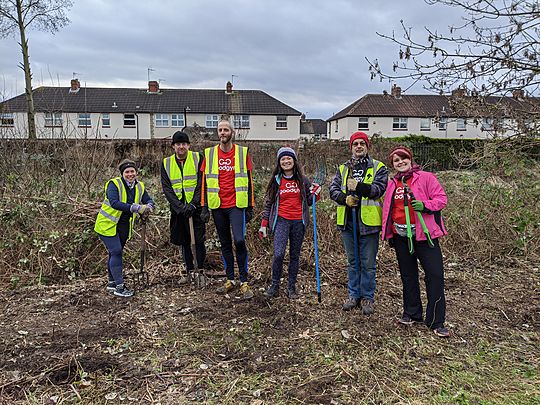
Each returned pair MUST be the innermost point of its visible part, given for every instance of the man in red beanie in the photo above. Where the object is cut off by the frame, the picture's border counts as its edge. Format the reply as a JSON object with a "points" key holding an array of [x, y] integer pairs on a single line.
{"points": [[358, 188]]}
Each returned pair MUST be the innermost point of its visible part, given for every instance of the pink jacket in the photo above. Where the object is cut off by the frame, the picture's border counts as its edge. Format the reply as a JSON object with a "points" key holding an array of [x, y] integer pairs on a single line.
{"points": [[427, 189]]}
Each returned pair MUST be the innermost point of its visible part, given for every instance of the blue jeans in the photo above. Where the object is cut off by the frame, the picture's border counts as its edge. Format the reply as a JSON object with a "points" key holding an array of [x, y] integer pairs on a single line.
{"points": [[361, 281]]}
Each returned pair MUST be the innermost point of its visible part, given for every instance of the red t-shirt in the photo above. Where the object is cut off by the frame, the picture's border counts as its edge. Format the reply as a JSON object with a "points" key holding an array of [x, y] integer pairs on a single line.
{"points": [[398, 208], [290, 199], [227, 192]]}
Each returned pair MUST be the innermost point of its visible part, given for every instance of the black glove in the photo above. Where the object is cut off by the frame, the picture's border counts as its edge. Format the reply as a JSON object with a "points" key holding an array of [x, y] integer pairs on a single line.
{"points": [[205, 215], [363, 189], [249, 214], [189, 210]]}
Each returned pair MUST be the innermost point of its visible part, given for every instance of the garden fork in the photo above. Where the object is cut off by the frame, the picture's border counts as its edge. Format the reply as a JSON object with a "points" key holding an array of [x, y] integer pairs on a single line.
{"points": [[141, 278]]}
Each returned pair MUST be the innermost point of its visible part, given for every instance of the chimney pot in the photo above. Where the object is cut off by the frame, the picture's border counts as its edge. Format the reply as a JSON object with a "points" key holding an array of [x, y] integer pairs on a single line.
{"points": [[518, 94], [153, 86], [228, 88], [459, 92], [396, 91], [75, 86]]}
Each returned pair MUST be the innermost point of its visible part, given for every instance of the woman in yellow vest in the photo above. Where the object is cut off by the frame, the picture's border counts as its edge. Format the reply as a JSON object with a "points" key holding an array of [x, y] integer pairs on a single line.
{"points": [[125, 196]]}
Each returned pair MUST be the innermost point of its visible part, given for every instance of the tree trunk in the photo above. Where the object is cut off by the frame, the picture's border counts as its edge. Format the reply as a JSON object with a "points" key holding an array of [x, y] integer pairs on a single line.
{"points": [[27, 74]]}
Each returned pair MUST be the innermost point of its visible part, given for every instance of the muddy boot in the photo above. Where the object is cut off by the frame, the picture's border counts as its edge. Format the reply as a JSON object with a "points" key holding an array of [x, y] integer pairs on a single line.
{"points": [[227, 287], [245, 291], [185, 279], [292, 293], [350, 304], [273, 291], [367, 306]]}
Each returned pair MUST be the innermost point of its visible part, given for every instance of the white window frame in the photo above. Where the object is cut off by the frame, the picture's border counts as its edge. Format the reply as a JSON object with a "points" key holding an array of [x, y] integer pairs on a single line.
{"points": [[161, 120], [488, 124], [363, 122], [461, 124], [105, 120], [7, 120], [84, 120], [128, 120], [54, 119], [241, 121], [212, 121], [281, 122], [400, 123], [423, 122], [177, 121], [443, 123]]}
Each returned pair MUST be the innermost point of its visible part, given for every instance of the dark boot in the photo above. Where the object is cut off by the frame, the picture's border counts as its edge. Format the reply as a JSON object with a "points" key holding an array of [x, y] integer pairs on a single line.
{"points": [[292, 293], [273, 291]]}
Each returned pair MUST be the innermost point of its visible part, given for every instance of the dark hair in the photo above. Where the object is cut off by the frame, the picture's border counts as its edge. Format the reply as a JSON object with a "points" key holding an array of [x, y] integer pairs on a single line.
{"points": [[273, 186]]}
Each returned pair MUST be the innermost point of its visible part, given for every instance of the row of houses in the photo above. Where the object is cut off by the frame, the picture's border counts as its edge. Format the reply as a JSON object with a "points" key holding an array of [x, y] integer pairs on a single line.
{"points": [[155, 113]]}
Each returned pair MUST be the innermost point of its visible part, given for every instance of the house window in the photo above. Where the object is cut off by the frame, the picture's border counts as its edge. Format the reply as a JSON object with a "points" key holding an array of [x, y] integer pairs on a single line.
{"points": [[105, 120], [461, 124], [84, 120], [487, 124], [7, 120], [162, 120], [241, 121], [399, 123], [281, 122], [129, 120], [425, 124], [212, 121], [53, 119], [363, 123], [443, 122], [177, 120]]}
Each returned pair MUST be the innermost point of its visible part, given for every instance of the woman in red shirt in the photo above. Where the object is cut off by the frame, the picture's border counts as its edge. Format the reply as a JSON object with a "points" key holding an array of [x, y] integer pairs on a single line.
{"points": [[286, 215]]}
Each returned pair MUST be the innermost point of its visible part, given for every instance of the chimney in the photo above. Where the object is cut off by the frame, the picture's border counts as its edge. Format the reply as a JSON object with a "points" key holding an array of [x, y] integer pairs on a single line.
{"points": [[518, 94], [458, 93], [303, 117], [153, 86], [228, 88], [75, 86], [396, 91]]}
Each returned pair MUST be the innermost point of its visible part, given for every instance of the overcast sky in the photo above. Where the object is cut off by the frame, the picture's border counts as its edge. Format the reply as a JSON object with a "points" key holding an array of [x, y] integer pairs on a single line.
{"points": [[310, 54]]}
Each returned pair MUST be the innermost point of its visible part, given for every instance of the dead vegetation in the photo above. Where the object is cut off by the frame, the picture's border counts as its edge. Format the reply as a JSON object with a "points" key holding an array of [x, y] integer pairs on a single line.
{"points": [[64, 339]]}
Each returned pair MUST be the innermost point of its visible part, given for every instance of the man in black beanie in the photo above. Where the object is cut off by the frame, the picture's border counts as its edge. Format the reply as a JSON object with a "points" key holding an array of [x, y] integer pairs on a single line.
{"points": [[181, 180]]}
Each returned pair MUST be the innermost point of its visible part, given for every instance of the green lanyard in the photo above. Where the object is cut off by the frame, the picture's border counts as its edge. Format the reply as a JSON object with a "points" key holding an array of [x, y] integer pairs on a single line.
{"points": [[408, 191]]}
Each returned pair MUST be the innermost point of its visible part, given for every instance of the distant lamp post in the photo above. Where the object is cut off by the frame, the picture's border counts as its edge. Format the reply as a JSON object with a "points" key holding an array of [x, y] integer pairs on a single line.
{"points": [[186, 109]]}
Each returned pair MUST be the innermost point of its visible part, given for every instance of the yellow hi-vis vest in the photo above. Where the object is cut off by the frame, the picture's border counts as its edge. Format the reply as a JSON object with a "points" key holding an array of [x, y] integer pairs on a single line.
{"points": [[241, 180], [108, 217], [188, 181], [370, 210]]}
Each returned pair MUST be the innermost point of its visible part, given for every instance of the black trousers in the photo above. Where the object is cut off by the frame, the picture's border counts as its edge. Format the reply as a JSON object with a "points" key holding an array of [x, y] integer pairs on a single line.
{"points": [[431, 260], [181, 236]]}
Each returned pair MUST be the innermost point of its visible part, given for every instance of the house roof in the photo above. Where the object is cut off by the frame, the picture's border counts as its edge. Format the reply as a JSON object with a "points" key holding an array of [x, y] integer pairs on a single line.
{"points": [[94, 99], [425, 105], [312, 126]]}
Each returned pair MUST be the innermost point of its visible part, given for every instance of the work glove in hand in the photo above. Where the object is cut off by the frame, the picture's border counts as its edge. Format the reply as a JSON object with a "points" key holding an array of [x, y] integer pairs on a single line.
{"points": [[352, 201], [135, 208], [249, 214], [363, 189], [417, 205], [352, 183], [205, 215], [263, 232], [189, 210], [144, 210], [315, 189]]}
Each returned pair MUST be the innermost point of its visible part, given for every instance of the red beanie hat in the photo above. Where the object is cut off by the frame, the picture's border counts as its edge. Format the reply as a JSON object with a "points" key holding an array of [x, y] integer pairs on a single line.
{"points": [[358, 135], [402, 152]]}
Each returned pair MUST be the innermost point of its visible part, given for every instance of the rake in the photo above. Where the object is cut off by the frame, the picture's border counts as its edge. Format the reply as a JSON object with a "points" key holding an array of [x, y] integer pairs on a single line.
{"points": [[199, 277], [320, 178]]}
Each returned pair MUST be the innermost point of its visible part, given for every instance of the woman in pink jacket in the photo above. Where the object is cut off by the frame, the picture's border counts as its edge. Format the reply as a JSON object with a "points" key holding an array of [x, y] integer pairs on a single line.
{"points": [[412, 223]]}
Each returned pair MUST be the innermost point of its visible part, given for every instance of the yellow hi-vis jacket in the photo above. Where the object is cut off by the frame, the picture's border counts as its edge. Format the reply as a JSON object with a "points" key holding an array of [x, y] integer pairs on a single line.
{"points": [[108, 217], [370, 210], [188, 181], [241, 179]]}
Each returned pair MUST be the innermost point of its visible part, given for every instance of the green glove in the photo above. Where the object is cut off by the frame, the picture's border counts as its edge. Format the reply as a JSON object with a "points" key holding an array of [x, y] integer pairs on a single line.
{"points": [[417, 205]]}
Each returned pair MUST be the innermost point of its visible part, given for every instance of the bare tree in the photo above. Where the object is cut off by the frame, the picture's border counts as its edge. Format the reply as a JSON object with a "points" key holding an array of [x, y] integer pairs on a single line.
{"points": [[494, 51], [18, 16]]}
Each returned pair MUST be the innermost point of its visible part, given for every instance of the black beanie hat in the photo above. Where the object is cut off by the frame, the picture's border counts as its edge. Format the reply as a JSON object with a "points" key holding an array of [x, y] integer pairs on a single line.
{"points": [[124, 164], [179, 137]]}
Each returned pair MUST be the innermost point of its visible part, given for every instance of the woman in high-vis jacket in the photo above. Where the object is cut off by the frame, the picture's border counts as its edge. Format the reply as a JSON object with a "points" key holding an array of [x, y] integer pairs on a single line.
{"points": [[125, 196], [413, 224]]}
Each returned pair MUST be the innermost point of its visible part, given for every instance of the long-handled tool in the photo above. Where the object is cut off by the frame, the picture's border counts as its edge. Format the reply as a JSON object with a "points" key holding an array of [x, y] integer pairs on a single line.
{"points": [[355, 239], [408, 222], [319, 179], [141, 278], [199, 278], [408, 191]]}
